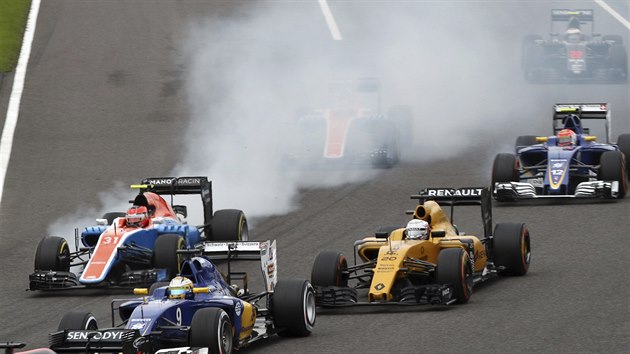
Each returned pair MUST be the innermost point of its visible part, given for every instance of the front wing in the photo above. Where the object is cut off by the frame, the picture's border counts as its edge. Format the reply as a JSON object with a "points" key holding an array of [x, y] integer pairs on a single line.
{"points": [[335, 296], [525, 190]]}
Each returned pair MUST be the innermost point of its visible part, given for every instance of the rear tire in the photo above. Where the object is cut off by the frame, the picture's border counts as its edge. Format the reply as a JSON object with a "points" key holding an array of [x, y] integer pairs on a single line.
{"points": [[53, 253], [293, 308], [618, 59], [329, 268], [211, 328], [623, 142], [454, 267], [77, 320], [165, 253], [612, 168], [511, 248], [229, 225]]}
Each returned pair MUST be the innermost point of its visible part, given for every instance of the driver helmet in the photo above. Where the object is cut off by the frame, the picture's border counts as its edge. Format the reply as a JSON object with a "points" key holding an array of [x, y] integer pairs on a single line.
{"points": [[566, 137], [137, 216], [418, 230], [180, 288], [573, 35]]}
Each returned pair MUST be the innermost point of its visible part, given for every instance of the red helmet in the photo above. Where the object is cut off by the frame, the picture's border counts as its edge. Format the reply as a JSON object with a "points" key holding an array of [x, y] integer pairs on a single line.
{"points": [[137, 216], [567, 137]]}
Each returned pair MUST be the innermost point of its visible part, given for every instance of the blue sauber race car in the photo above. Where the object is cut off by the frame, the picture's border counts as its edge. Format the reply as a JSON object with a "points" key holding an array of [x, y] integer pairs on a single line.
{"points": [[139, 247], [198, 311], [570, 164]]}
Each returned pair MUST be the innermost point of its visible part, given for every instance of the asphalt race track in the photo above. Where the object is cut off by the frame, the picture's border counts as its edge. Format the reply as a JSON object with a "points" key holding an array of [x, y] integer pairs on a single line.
{"points": [[105, 103]]}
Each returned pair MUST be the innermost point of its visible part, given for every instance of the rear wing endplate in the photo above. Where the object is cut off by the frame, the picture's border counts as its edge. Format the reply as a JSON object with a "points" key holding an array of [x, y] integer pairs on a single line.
{"points": [[593, 111], [461, 196], [265, 251]]}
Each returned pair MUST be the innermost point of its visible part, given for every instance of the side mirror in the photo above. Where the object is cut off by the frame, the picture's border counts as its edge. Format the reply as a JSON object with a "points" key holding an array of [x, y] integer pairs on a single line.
{"points": [[141, 291], [541, 139], [102, 222], [181, 209], [203, 290], [590, 138], [438, 233]]}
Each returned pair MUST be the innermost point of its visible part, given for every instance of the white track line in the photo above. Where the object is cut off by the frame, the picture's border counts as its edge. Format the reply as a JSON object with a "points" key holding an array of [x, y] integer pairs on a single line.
{"points": [[613, 13], [6, 142], [330, 20]]}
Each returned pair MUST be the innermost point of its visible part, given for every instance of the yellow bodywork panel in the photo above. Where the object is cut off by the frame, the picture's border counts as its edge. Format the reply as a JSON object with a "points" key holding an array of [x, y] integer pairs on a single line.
{"points": [[248, 318], [391, 253]]}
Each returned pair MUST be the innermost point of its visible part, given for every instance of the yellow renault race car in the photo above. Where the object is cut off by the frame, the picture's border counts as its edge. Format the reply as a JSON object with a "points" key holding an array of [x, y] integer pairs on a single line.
{"points": [[440, 268]]}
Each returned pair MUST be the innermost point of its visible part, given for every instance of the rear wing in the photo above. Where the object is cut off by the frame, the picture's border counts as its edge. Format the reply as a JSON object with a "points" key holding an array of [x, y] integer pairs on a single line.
{"points": [[462, 196], [591, 111], [265, 251], [182, 185], [575, 18]]}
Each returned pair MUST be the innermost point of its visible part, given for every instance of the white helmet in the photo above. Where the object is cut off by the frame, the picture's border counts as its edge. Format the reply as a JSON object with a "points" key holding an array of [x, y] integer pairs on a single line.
{"points": [[418, 230], [180, 288]]}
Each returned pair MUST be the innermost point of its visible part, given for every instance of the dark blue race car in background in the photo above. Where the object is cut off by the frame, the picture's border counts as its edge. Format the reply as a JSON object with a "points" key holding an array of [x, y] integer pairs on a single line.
{"points": [[214, 316], [541, 168]]}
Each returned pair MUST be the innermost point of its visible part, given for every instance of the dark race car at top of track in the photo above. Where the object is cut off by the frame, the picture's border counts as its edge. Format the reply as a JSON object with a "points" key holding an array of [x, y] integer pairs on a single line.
{"points": [[575, 55]]}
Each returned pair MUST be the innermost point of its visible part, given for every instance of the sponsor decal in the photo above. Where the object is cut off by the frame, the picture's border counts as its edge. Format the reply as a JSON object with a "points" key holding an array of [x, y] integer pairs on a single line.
{"points": [[94, 336], [238, 308], [379, 286], [389, 258], [451, 192], [271, 267], [557, 171]]}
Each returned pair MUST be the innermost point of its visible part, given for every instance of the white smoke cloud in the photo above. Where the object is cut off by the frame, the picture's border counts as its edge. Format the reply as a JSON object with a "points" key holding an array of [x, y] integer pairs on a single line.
{"points": [[248, 75]]}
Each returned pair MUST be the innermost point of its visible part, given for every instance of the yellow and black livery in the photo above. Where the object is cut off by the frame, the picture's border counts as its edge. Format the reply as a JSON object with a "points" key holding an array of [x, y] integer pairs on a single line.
{"points": [[439, 270]]}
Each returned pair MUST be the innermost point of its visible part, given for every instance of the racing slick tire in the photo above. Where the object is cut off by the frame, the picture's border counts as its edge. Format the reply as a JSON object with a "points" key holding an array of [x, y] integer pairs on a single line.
{"points": [[618, 59], [111, 216], [511, 248], [524, 140], [623, 142], [165, 253], [229, 225], [504, 169], [533, 55], [293, 307], [615, 38], [455, 268], [612, 168], [77, 320], [330, 269], [211, 328], [53, 253]]}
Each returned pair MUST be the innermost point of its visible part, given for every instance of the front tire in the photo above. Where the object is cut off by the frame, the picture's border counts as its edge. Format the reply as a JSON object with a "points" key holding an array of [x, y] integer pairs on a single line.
{"points": [[212, 328], [229, 225], [293, 307], [329, 269], [53, 253], [455, 268], [165, 254], [612, 168], [511, 248], [78, 320], [504, 169]]}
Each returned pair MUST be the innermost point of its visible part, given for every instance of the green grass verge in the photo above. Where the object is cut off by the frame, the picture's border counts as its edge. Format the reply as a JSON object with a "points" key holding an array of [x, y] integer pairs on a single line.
{"points": [[13, 15]]}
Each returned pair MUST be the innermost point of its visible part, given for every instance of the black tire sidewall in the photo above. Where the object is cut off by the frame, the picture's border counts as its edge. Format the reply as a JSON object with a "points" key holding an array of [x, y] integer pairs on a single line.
{"points": [[229, 225], [53, 253], [205, 329], [451, 269], [76, 320], [327, 269], [288, 304], [508, 240], [165, 253]]}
